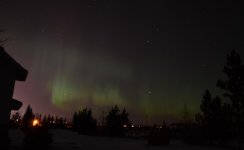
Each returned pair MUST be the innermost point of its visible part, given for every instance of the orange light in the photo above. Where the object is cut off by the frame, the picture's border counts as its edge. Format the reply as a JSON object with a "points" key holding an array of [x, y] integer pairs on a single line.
{"points": [[35, 122]]}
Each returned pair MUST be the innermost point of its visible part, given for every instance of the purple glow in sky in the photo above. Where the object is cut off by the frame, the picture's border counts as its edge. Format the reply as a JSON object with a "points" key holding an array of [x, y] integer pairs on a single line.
{"points": [[150, 57]]}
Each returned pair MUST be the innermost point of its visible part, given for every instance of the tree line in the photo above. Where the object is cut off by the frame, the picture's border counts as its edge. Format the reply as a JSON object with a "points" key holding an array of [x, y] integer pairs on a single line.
{"points": [[222, 116], [82, 121], [220, 120], [115, 124], [26, 121]]}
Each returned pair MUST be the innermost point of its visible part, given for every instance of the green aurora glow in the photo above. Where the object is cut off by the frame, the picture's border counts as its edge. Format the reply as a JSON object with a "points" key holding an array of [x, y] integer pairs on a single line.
{"points": [[151, 57]]}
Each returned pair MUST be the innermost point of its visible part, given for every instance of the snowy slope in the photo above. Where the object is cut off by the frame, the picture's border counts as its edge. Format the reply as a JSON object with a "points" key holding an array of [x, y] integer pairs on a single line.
{"points": [[64, 139]]}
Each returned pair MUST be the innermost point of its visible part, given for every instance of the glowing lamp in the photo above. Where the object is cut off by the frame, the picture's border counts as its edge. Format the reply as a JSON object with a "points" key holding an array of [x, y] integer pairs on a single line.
{"points": [[35, 122]]}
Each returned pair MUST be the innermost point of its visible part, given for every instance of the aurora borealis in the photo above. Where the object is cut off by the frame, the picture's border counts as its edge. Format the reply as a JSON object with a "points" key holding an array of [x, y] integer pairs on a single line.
{"points": [[151, 57]]}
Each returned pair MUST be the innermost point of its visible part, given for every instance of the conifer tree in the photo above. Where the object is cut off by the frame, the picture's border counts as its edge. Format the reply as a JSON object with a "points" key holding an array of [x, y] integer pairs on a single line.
{"points": [[234, 89], [27, 118], [116, 121]]}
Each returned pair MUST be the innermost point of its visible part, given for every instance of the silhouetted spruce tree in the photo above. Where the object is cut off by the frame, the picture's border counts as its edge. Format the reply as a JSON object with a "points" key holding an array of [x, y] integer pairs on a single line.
{"points": [[56, 120], [52, 119], [234, 89], [44, 121], [227, 122], [61, 122], [213, 118], [75, 121], [124, 117], [113, 121], [27, 118], [116, 121], [83, 122]]}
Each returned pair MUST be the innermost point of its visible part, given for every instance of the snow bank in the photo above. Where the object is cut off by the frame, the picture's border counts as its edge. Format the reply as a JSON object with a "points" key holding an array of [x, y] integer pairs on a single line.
{"points": [[69, 140]]}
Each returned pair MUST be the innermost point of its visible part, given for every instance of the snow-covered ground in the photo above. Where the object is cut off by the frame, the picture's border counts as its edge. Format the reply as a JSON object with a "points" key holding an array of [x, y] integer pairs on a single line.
{"points": [[68, 140]]}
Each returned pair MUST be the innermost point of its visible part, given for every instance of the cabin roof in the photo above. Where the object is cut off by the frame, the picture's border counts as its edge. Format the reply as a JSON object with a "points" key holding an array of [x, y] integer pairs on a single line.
{"points": [[10, 68]]}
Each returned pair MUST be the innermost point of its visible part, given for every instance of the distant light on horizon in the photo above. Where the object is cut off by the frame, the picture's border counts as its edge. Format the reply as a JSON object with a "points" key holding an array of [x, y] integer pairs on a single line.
{"points": [[35, 122]]}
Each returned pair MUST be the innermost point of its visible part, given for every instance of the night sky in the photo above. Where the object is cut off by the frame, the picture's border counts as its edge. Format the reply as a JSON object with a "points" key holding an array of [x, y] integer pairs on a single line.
{"points": [[148, 56]]}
